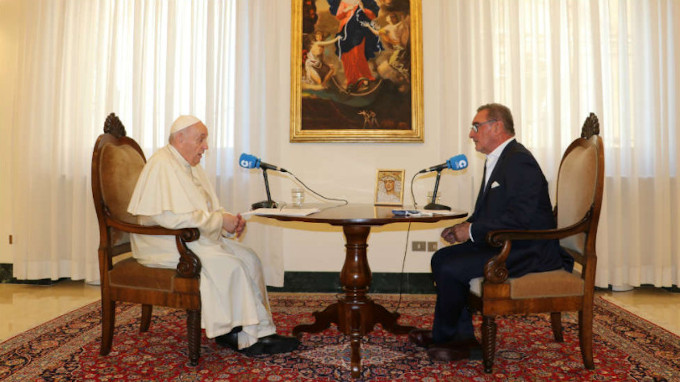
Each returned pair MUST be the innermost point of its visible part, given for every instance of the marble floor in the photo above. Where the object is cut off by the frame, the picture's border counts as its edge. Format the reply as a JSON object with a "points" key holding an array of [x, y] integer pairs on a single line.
{"points": [[23, 306], [26, 306], [656, 305]]}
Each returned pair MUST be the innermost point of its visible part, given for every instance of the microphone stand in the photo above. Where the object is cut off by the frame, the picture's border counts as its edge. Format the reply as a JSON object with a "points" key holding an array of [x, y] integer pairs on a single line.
{"points": [[432, 205], [269, 203]]}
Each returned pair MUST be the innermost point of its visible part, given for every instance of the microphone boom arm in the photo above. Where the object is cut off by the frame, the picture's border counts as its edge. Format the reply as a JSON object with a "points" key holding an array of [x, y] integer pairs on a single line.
{"points": [[269, 203], [266, 184], [432, 205]]}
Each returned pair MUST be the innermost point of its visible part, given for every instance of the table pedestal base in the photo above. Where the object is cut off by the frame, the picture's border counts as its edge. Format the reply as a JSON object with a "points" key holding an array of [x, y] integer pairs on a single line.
{"points": [[355, 313]]}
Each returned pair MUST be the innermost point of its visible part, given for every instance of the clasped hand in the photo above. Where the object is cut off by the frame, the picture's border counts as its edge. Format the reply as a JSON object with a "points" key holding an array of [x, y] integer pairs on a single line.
{"points": [[457, 234], [233, 223]]}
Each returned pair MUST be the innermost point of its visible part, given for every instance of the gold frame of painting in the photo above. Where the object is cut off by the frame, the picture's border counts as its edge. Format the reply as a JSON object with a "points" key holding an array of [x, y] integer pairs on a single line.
{"points": [[385, 103]]}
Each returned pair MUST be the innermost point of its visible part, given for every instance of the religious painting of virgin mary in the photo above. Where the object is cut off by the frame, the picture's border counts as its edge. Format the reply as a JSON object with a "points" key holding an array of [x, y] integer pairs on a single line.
{"points": [[389, 189], [356, 71]]}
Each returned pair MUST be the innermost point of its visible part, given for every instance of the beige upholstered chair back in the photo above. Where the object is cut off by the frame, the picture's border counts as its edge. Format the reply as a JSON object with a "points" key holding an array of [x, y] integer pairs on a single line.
{"points": [[117, 162], [120, 167], [577, 187]]}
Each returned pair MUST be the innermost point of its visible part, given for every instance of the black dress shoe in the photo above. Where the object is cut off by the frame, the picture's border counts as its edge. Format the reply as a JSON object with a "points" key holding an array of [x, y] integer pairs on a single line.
{"points": [[447, 353], [229, 340], [420, 337], [275, 344], [455, 350], [272, 344]]}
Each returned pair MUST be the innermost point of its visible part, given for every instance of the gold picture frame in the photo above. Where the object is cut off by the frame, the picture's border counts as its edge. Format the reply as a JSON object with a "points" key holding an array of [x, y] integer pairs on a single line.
{"points": [[389, 188], [376, 94]]}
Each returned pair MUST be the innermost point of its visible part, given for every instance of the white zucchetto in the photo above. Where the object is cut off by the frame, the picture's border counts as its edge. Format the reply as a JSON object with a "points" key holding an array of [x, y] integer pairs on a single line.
{"points": [[182, 122]]}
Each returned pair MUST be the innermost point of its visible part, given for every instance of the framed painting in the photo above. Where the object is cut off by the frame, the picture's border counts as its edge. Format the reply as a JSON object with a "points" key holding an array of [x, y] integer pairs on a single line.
{"points": [[389, 188], [356, 71]]}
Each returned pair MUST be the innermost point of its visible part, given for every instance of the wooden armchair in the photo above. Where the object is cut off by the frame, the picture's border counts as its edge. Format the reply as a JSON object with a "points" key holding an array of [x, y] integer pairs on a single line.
{"points": [[117, 162], [579, 198]]}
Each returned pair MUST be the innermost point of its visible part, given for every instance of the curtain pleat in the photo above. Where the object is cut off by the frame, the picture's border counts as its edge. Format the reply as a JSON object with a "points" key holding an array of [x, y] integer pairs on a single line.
{"points": [[147, 61], [554, 62]]}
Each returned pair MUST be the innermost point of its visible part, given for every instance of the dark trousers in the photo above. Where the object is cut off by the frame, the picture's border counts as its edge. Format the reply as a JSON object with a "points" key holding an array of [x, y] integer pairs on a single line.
{"points": [[453, 267]]}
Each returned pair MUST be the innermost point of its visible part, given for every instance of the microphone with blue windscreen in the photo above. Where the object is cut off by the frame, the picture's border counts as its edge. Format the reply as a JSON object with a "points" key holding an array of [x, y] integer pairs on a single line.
{"points": [[456, 163], [251, 161]]}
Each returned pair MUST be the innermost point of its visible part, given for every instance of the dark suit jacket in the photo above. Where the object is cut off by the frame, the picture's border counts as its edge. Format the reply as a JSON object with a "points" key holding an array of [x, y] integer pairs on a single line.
{"points": [[516, 197]]}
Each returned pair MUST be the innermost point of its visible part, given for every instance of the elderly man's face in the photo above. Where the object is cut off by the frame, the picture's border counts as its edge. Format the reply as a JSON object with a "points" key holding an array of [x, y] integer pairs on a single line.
{"points": [[192, 142], [485, 138]]}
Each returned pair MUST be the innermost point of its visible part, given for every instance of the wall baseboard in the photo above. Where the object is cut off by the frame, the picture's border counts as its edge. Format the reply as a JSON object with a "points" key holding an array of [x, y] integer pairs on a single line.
{"points": [[7, 278], [329, 282], [6, 273], [319, 282]]}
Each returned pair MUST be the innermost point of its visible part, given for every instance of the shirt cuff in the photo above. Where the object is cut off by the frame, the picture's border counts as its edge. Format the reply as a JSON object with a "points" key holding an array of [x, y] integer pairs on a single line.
{"points": [[227, 234], [470, 233]]}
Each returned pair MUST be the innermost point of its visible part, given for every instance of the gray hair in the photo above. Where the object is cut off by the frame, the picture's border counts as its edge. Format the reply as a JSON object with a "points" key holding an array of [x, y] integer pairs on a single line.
{"points": [[501, 113]]}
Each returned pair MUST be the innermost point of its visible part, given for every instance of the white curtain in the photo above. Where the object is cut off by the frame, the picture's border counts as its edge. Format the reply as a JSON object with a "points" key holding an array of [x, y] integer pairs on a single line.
{"points": [[261, 86], [147, 61], [554, 62]]}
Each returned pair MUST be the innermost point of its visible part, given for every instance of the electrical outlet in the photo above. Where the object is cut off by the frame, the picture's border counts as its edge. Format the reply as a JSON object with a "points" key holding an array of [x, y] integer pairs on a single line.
{"points": [[418, 246], [432, 246]]}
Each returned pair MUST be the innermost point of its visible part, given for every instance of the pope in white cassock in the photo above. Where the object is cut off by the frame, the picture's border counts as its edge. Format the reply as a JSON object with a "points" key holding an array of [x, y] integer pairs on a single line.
{"points": [[173, 191]]}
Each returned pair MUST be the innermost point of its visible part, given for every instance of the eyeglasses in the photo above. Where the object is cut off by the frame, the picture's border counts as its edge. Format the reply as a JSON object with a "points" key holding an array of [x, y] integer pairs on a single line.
{"points": [[475, 126]]}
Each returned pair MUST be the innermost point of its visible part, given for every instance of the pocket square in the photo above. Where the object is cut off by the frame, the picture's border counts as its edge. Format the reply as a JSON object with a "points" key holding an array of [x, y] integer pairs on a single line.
{"points": [[495, 184]]}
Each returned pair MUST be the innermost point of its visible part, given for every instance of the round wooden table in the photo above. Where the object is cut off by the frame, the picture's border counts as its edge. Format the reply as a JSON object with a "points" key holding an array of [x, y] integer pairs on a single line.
{"points": [[355, 313]]}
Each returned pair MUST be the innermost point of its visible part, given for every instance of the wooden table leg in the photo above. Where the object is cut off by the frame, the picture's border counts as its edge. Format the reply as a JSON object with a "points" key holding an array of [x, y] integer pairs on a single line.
{"points": [[356, 318], [355, 313]]}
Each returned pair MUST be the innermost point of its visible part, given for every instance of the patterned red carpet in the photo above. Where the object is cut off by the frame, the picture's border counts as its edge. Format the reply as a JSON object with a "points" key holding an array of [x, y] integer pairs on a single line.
{"points": [[626, 348]]}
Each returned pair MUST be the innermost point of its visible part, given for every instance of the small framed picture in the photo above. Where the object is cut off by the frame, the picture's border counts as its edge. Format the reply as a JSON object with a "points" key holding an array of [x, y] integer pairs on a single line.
{"points": [[389, 189]]}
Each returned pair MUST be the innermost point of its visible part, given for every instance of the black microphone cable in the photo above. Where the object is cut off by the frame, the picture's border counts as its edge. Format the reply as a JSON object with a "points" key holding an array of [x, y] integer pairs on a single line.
{"points": [[403, 261], [413, 196], [403, 265], [345, 202]]}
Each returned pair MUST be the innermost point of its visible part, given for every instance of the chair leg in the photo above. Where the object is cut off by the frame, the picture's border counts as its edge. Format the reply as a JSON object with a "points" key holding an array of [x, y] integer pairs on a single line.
{"points": [[585, 334], [556, 321], [488, 341], [147, 311], [108, 323], [194, 334]]}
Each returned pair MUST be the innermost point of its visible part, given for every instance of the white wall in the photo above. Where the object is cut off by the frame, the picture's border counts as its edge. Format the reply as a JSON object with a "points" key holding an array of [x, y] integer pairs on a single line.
{"points": [[348, 170], [10, 23]]}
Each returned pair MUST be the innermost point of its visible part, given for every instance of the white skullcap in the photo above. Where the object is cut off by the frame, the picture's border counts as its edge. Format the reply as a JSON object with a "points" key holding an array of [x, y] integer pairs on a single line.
{"points": [[182, 122]]}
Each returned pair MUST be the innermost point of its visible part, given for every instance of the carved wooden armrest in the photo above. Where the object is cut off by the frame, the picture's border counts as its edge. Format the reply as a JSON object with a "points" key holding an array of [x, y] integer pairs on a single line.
{"points": [[495, 270], [189, 264]]}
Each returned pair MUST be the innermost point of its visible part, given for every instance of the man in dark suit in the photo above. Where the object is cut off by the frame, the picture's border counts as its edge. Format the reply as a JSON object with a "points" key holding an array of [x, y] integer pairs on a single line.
{"points": [[513, 195]]}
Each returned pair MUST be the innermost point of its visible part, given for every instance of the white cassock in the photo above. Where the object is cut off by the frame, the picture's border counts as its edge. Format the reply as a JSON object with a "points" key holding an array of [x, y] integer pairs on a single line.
{"points": [[173, 194]]}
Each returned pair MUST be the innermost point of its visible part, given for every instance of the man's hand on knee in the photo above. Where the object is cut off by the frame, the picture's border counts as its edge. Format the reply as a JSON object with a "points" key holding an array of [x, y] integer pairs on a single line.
{"points": [[459, 233]]}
